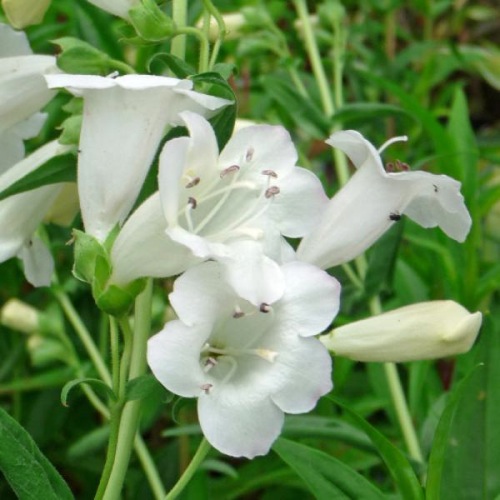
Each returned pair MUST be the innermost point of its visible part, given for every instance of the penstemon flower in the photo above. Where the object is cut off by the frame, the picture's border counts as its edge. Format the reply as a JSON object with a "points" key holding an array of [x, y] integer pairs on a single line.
{"points": [[247, 365], [22, 213], [23, 92], [124, 119], [374, 199], [426, 330], [231, 207]]}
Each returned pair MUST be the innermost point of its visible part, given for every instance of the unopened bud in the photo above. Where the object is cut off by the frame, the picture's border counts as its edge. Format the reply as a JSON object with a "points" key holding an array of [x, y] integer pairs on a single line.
{"points": [[427, 330], [20, 316]]}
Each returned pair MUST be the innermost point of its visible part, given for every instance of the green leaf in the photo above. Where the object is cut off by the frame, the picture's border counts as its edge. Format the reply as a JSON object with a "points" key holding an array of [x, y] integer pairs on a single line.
{"points": [[398, 465], [150, 22], [361, 111], [325, 476], [141, 387], [466, 452], [94, 382], [223, 121], [29, 473], [301, 110], [60, 168]]}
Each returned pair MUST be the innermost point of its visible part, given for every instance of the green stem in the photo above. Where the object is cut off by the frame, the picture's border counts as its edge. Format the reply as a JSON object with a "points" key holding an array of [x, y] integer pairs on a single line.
{"points": [[179, 16], [204, 45], [149, 468], [399, 400], [130, 415], [198, 458], [126, 355], [115, 354], [83, 334]]}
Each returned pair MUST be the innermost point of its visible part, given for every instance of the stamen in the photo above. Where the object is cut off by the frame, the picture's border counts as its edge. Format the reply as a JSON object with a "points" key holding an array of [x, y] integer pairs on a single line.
{"points": [[264, 308], [270, 173], [272, 191], [267, 354], [229, 170], [206, 388], [187, 213], [192, 201], [194, 182], [209, 364], [249, 154], [400, 138]]}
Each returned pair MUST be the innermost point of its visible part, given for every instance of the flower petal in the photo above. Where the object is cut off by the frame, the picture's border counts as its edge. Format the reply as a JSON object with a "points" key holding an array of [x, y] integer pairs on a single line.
{"points": [[308, 379], [13, 43], [174, 357], [38, 262], [311, 299], [239, 426]]}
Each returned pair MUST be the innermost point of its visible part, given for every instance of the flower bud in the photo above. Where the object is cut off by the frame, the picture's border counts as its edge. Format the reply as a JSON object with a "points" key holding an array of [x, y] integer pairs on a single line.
{"points": [[426, 330], [20, 316], [22, 13]]}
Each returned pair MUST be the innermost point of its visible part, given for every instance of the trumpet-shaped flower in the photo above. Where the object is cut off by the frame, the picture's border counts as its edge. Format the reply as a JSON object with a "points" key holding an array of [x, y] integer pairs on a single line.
{"points": [[226, 207], [374, 199], [21, 214], [427, 330], [247, 365], [23, 92], [124, 120]]}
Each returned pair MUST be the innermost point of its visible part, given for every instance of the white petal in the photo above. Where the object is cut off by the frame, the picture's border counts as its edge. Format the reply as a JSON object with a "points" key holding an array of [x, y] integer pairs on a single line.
{"points": [[201, 294], [23, 90], [12, 148], [174, 357], [295, 209], [117, 7], [143, 249], [13, 43], [199, 246], [237, 425], [311, 299], [38, 262], [309, 376], [252, 275], [264, 147]]}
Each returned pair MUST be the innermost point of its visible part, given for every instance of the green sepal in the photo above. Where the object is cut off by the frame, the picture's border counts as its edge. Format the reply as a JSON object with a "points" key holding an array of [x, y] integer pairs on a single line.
{"points": [[150, 22], [79, 57], [116, 300], [87, 251], [71, 127]]}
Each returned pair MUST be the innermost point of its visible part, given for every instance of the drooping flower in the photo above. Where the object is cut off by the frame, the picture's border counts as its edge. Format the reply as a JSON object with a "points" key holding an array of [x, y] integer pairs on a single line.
{"points": [[374, 199], [23, 92], [247, 365], [231, 207], [20, 215], [124, 120], [427, 330]]}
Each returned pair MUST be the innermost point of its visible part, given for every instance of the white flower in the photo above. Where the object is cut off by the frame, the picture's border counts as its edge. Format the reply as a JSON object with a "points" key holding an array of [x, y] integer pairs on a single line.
{"points": [[227, 207], [247, 365], [21, 214], [124, 120], [23, 92], [116, 7], [427, 330], [373, 200]]}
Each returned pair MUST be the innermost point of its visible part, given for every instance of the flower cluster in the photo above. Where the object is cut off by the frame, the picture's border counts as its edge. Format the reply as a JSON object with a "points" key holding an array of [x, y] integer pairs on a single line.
{"points": [[248, 304]]}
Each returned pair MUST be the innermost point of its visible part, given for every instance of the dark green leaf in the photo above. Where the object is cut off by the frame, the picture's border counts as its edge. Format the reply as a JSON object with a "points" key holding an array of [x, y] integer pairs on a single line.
{"points": [[325, 476], [27, 470], [60, 168], [141, 387], [96, 383]]}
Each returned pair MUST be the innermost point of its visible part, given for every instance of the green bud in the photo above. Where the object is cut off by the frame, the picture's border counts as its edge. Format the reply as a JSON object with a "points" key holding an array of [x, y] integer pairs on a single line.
{"points": [[150, 22]]}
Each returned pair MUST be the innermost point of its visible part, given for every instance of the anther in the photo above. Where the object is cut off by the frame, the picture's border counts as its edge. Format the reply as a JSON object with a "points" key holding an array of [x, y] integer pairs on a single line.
{"points": [[395, 216], [192, 201], [402, 166], [193, 183], [238, 314], [249, 155], [264, 308], [272, 191], [209, 364], [229, 170], [270, 173], [206, 388]]}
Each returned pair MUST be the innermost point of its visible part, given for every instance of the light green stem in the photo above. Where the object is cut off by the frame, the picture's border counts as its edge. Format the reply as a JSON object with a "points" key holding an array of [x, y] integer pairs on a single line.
{"points": [[149, 468], [131, 411], [198, 458], [204, 45], [399, 400], [179, 16]]}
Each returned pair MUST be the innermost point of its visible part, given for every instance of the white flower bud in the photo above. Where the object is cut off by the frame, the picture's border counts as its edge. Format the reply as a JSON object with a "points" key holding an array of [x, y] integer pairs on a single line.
{"points": [[20, 316], [426, 330], [22, 13]]}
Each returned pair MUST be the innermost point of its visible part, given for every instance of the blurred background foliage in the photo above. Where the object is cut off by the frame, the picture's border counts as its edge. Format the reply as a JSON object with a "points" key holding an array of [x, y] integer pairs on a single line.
{"points": [[428, 69]]}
